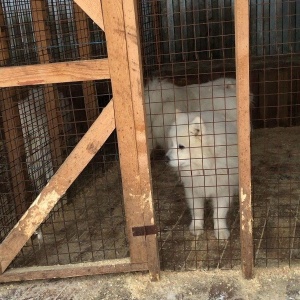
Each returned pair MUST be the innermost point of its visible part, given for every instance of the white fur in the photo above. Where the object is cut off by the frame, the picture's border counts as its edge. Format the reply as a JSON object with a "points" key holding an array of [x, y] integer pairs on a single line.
{"points": [[204, 148], [201, 140], [162, 98]]}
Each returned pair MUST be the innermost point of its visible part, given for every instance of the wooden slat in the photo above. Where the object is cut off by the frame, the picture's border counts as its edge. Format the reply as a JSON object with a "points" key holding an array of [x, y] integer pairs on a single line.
{"points": [[54, 118], [121, 87], [74, 270], [4, 47], [57, 186], [42, 38], [41, 31], [12, 130], [15, 145], [137, 92], [73, 71], [93, 9], [243, 92], [125, 71], [89, 89]]}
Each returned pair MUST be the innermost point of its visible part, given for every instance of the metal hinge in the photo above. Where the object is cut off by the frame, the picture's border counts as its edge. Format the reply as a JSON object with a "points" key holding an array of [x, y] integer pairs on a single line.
{"points": [[144, 230]]}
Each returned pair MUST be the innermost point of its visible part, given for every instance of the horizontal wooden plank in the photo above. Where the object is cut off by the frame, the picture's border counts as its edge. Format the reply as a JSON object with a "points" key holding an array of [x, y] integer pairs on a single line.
{"points": [[93, 9], [81, 70], [72, 270], [85, 150]]}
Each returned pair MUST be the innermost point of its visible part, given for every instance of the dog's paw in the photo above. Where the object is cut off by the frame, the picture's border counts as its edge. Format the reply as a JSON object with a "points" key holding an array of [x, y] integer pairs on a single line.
{"points": [[196, 228], [222, 234]]}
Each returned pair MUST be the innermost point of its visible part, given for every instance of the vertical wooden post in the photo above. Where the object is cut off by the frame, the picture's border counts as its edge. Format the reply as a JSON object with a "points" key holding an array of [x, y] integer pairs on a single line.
{"points": [[126, 75], [12, 130], [42, 37], [243, 96], [89, 90]]}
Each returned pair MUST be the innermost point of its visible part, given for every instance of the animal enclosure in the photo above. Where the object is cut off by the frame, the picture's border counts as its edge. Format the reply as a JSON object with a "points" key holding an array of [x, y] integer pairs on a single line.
{"points": [[72, 121]]}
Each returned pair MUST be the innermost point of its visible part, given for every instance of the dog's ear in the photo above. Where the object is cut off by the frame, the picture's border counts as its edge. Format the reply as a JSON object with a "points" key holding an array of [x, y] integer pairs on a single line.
{"points": [[197, 127]]}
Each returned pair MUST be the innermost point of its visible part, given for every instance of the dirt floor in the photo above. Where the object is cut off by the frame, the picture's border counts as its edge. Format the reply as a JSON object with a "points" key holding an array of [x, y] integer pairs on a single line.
{"points": [[275, 284], [91, 227]]}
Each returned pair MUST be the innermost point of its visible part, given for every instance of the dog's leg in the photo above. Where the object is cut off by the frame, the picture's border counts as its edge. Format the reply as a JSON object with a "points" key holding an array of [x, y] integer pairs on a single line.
{"points": [[196, 205], [221, 207]]}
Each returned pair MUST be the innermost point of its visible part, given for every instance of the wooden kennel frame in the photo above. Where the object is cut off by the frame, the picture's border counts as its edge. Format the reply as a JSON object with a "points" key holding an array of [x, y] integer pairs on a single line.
{"points": [[125, 113]]}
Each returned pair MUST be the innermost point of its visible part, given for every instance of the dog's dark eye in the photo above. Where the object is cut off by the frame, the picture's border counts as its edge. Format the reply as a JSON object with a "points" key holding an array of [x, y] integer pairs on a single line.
{"points": [[181, 147]]}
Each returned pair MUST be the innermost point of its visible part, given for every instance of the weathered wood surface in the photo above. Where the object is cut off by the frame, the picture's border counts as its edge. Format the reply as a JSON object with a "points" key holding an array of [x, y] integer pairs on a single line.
{"points": [[82, 70], [12, 130], [93, 9], [57, 186], [126, 75], [74, 270], [84, 45], [243, 96]]}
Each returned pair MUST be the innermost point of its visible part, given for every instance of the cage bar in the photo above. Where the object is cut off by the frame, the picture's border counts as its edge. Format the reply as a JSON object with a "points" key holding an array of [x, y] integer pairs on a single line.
{"points": [[243, 95], [11, 121], [123, 54]]}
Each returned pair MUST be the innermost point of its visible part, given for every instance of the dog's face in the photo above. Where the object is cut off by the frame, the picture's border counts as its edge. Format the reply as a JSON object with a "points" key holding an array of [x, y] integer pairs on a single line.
{"points": [[184, 139]]}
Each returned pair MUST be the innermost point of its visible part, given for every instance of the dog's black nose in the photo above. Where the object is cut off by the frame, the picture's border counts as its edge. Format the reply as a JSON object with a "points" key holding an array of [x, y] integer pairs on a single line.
{"points": [[167, 159]]}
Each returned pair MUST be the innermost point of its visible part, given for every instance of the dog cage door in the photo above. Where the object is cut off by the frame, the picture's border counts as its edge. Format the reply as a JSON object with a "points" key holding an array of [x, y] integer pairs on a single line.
{"points": [[125, 113]]}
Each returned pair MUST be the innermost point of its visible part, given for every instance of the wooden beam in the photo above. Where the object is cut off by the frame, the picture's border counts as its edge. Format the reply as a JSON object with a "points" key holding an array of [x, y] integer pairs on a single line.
{"points": [[41, 30], [93, 9], [88, 87], [15, 150], [12, 130], [57, 186], [125, 67], [121, 87], [135, 70], [243, 96], [42, 37], [72, 270], [73, 71]]}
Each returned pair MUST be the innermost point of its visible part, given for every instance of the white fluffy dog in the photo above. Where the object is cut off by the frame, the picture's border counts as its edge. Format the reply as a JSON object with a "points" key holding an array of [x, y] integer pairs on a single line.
{"points": [[204, 147], [162, 98], [197, 124]]}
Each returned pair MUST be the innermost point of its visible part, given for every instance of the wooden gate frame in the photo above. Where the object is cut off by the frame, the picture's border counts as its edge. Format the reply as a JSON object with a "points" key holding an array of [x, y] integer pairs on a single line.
{"points": [[242, 55], [125, 113], [123, 67]]}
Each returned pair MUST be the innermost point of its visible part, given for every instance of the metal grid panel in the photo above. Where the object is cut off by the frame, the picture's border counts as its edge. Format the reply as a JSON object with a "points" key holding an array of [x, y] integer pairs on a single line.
{"points": [[7, 209], [61, 31], [186, 42], [88, 224], [18, 18], [41, 125], [191, 30], [192, 38], [275, 154]]}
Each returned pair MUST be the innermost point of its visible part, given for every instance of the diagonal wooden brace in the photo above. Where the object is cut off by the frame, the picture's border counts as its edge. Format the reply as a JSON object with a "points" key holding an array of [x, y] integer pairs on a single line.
{"points": [[57, 186]]}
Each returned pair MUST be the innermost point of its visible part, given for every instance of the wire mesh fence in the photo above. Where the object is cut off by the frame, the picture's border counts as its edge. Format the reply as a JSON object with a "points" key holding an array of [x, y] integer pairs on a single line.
{"points": [[189, 64], [275, 157], [196, 45], [194, 57], [88, 223], [41, 125]]}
